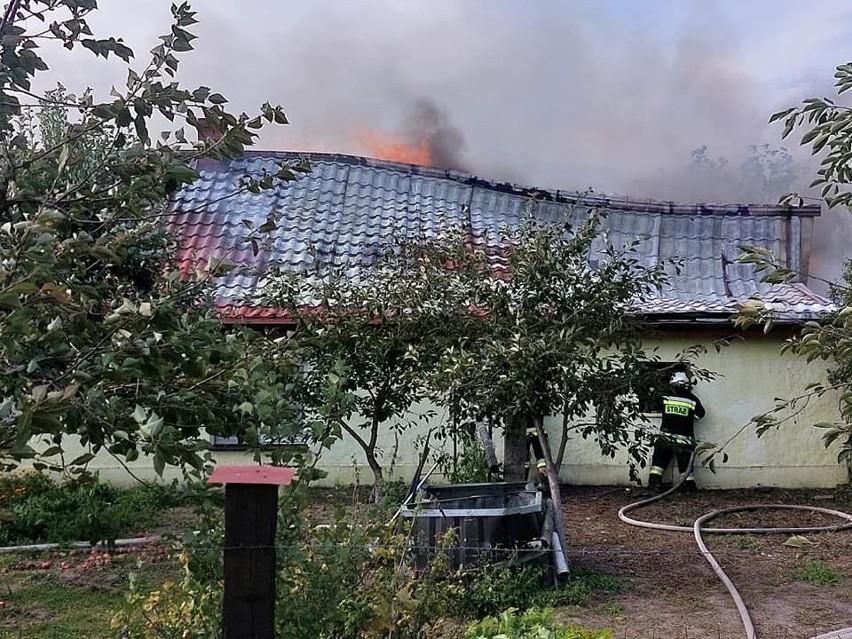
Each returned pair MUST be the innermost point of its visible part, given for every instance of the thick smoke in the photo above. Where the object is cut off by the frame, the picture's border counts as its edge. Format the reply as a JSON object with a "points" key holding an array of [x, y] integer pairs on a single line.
{"points": [[427, 122], [564, 94]]}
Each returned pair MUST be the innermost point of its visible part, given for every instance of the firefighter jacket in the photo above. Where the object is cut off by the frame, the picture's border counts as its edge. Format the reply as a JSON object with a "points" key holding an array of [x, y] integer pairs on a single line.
{"points": [[680, 409]]}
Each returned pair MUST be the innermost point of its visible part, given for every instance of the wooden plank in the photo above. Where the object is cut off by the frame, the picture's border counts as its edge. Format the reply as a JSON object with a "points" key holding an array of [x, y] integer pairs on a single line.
{"points": [[487, 447], [271, 475], [534, 506]]}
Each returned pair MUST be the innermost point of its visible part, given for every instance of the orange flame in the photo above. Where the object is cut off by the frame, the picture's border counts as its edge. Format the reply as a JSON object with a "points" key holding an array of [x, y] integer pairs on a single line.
{"points": [[383, 146]]}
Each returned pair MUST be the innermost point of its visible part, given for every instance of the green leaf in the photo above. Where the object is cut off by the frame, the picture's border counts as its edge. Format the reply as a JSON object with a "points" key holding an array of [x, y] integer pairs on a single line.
{"points": [[140, 415], [159, 462], [798, 541], [82, 459]]}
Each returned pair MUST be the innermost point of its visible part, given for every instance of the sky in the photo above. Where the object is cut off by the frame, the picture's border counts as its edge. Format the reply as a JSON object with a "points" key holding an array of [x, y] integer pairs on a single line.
{"points": [[561, 93], [609, 94]]}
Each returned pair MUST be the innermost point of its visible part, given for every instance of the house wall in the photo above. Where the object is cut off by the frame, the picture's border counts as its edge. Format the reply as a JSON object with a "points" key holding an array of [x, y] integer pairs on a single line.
{"points": [[751, 374]]}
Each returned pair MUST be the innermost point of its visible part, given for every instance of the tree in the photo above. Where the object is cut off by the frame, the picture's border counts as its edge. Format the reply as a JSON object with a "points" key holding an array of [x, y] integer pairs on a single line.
{"points": [[765, 174], [510, 329], [379, 330], [102, 338], [828, 130], [557, 334]]}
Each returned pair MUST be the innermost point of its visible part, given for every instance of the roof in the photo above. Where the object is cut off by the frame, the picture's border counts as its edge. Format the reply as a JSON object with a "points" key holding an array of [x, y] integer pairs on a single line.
{"points": [[347, 206], [264, 475]]}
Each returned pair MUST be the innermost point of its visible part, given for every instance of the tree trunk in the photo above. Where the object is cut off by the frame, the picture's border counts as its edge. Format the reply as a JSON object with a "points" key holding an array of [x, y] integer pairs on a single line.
{"points": [[378, 477], [563, 441], [515, 455]]}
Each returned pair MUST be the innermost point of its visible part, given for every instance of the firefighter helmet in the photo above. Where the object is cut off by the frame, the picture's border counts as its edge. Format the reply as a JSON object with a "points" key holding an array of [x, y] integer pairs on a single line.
{"points": [[680, 380]]}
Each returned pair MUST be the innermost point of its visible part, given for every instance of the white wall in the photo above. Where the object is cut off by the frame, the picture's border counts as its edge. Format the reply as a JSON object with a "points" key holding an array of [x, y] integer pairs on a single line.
{"points": [[751, 374]]}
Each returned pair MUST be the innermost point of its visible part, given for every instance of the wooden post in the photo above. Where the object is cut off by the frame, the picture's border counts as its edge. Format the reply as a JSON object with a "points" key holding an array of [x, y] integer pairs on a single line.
{"points": [[251, 515]]}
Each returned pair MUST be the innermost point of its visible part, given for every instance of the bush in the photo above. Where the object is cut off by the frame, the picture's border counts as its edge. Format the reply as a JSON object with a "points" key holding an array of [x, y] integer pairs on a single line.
{"points": [[532, 624], [347, 580], [489, 589], [394, 493], [36, 509]]}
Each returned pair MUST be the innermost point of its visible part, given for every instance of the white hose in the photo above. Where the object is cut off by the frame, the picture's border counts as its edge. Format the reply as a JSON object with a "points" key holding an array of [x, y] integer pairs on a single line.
{"points": [[136, 541], [698, 528]]}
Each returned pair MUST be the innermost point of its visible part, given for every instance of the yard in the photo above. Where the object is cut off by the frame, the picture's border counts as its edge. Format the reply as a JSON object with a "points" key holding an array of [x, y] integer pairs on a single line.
{"points": [[663, 588], [670, 591]]}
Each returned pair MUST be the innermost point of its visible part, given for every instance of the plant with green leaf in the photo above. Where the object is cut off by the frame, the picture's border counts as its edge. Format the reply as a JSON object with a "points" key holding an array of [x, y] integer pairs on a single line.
{"points": [[828, 123], [510, 328], [103, 341], [532, 624], [377, 331], [828, 130], [556, 332]]}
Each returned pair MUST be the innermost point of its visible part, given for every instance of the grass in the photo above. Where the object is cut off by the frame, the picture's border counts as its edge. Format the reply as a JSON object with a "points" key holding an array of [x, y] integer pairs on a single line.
{"points": [[40, 609], [815, 571], [745, 542], [583, 587], [42, 604]]}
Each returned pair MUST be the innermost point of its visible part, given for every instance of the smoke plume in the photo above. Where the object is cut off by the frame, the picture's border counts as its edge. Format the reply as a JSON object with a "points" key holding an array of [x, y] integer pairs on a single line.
{"points": [[426, 137], [556, 94], [427, 121], [564, 94]]}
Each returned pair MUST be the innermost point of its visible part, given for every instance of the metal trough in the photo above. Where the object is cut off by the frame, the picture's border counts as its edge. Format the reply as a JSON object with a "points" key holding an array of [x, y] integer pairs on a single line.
{"points": [[496, 522]]}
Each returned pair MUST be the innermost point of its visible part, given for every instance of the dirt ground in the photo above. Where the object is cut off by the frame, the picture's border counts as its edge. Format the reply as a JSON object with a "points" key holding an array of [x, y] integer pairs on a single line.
{"points": [[670, 591]]}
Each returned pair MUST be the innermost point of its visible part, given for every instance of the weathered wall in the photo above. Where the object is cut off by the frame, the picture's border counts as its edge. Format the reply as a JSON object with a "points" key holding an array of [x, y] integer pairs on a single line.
{"points": [[751, 374]]}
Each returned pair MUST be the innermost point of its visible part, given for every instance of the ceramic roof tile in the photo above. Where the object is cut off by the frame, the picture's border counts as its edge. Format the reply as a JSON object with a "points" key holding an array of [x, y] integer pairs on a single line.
{"points": [[344, 209]]}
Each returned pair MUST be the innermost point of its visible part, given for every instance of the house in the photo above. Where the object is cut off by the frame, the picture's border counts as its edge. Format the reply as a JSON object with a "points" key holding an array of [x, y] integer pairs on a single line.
{"points": [[346, 205]]}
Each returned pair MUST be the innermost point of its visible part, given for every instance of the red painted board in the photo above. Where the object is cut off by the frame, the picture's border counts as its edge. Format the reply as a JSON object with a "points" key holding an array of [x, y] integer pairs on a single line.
{"points": [[270, 475]]}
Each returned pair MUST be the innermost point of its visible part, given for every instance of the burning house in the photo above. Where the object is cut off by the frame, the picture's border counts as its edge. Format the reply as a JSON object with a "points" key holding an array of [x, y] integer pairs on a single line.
{"points": [[346, 205]]}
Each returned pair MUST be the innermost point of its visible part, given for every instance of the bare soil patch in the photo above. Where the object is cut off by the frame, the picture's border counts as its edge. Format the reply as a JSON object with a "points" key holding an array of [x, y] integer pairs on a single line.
{"points": [[670, 591]]}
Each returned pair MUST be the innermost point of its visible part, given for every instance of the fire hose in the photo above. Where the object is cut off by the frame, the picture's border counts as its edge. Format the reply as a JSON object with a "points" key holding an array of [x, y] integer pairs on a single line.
{"points": [[699, 530]]}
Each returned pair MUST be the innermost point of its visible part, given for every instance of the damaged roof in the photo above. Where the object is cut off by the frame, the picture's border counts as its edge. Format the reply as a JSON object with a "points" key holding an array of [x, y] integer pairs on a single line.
{"points": [[346, 207]]}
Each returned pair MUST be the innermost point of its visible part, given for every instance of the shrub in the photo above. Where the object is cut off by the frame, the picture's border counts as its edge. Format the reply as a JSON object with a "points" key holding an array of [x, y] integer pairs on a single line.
{"points": [[189, 608], [532, 624], [22, 485], [394, 493], [489, 589], [347, 580], [38, 510]]}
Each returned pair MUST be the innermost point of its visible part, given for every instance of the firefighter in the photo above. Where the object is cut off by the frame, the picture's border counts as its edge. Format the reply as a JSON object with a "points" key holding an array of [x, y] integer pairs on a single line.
{"points": [[680, 409]]}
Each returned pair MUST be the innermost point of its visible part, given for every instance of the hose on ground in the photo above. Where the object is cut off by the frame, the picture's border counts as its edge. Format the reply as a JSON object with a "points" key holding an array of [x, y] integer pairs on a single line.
{"points": [[74, 545], [698, 530]]}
